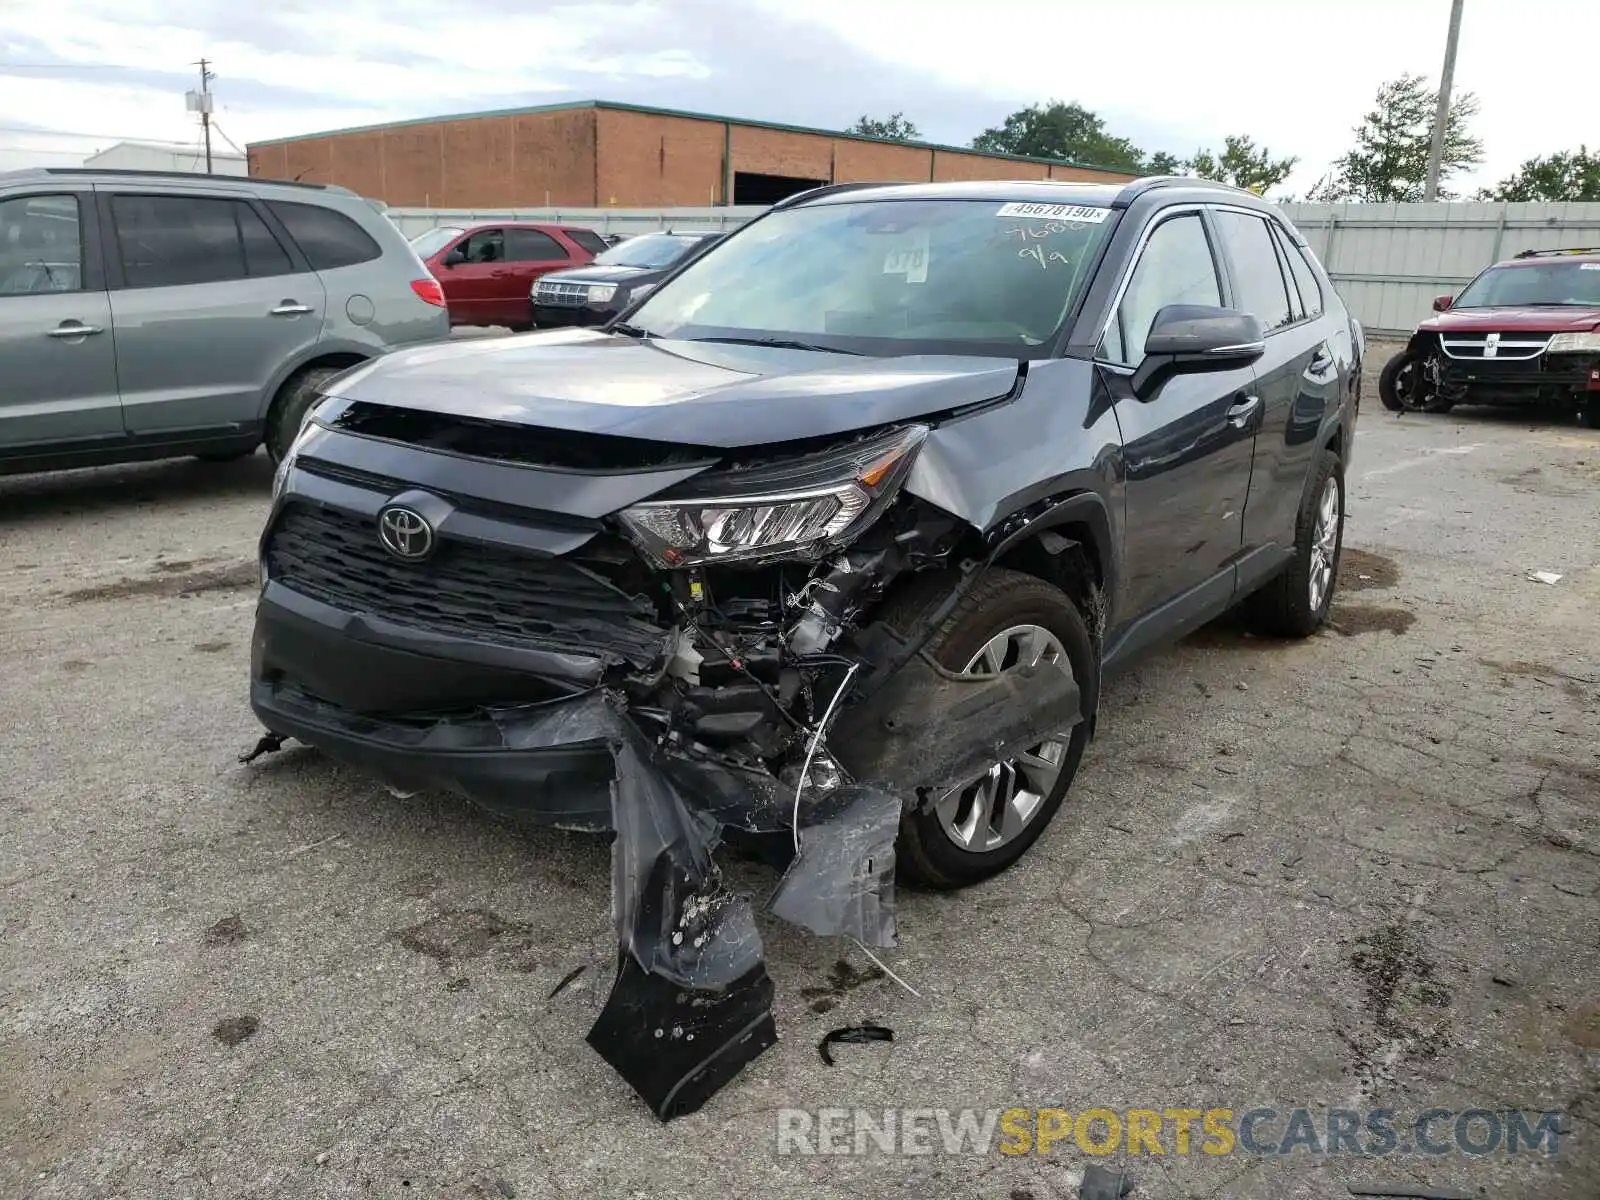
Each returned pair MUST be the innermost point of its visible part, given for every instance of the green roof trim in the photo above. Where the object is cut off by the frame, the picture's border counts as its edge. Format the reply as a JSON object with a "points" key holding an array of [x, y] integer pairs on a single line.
{"points": [[648, 110]]}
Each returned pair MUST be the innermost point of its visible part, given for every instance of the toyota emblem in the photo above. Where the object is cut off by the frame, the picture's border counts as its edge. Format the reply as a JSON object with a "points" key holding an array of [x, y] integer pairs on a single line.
{"points": [[405, 533]]}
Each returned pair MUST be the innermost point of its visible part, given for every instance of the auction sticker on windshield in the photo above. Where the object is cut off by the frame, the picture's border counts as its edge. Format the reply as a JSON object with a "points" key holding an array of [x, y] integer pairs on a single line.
{"points": [[1082, 214]]}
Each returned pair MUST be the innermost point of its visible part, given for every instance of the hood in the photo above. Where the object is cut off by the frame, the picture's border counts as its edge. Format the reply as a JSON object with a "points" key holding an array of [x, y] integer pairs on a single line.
{"points": [[691, 393], [1566, 319], [600, 274]]}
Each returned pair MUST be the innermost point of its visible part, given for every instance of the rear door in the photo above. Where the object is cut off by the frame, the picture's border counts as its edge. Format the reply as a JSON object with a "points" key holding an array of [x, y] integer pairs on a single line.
{"points": [[58, 374], [1296, 379], [207, 304], [530, 253], [1186, 450]]}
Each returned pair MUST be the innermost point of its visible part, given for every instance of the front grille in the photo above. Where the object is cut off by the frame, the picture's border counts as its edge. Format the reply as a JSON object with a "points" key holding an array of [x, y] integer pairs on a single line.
{"points": [[562, 295], [1494, 346], [497, 595]]}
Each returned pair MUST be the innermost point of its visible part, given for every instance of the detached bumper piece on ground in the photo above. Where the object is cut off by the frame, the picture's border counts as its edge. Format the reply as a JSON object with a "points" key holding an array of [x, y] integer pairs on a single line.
{"points": [[692, 1001]]}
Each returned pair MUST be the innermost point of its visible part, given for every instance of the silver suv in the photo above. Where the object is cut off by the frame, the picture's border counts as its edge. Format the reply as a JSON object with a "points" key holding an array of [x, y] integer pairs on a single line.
{"points": [[149, 315]]}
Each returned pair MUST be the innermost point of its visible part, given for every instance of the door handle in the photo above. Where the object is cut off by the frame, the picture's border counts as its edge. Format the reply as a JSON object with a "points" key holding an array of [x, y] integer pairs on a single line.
{"points": [[72, 330], [290, 308], [1242, 409]]}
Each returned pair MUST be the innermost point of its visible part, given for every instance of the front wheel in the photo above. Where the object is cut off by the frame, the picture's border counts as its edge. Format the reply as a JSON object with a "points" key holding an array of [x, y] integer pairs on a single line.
{"points": [[1008, 620], [1296, 603], [289, 408]]}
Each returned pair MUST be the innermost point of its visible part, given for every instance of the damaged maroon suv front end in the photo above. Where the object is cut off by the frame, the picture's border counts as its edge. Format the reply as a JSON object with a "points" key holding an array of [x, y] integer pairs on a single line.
{"points": [[1524, 332]]}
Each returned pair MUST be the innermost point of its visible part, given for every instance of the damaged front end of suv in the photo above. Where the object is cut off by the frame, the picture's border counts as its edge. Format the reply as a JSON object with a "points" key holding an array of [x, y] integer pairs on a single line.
{"points": [[664, 641]]}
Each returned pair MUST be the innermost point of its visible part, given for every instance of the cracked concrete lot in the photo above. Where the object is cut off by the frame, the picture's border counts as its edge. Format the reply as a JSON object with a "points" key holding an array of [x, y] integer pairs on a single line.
{"points": [[1358, 871]]}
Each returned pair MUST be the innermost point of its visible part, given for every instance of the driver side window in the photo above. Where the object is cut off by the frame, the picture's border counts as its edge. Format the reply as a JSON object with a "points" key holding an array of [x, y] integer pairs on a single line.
{"points": [[1176, 267], [485, 246]]}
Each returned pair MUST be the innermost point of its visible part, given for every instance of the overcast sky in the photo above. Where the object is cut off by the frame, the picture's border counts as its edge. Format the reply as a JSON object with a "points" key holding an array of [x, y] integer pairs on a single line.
{"points": [[1172, 75]]}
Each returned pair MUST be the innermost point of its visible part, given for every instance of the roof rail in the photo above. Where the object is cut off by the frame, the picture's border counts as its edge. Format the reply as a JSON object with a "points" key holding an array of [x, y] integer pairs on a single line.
{"points": [[130, 172], [828, 189], [1558, 253], [1147, 183]]}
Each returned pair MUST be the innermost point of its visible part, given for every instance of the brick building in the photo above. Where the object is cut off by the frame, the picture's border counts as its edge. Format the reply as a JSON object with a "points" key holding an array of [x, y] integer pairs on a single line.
{"points": [[593, 154]]}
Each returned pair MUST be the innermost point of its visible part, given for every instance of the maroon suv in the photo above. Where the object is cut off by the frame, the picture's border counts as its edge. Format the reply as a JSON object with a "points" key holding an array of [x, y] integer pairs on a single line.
{"points": [[487, 271], [1524, 332]]}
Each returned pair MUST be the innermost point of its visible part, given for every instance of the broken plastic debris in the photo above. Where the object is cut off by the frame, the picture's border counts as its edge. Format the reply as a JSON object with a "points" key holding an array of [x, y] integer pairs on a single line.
{"points": [[270, 743], [1544, 577], [852, 1034]]}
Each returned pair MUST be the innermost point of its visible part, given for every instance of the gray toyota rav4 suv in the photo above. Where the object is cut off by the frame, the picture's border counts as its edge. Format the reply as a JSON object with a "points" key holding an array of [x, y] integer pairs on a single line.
{"points": [[831, 538], [148, 315]]}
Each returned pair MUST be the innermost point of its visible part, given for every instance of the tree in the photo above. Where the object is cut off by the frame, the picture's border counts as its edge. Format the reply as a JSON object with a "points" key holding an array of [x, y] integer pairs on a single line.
{"points": [[895, 127], [1065, 131], [1570, 175], [1162, 163], [1389, 161], [1243, 165]]}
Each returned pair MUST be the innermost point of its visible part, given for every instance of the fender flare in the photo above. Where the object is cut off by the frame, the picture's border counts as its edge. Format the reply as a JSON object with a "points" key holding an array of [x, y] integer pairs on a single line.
{"points": [[326, 348], [1087, 508]]}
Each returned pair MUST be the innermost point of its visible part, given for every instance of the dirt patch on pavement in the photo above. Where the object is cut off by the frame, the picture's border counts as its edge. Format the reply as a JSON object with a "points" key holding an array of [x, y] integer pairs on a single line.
{"points": [[1362, 569], [233, 1030], [171, 584], [1402, 992], [1353, 619], [460, 934]]}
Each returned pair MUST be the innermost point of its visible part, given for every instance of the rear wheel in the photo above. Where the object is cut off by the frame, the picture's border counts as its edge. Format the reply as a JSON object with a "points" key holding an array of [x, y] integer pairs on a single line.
{"points": [[1008, 620], [289, 408], [1296, 603]]}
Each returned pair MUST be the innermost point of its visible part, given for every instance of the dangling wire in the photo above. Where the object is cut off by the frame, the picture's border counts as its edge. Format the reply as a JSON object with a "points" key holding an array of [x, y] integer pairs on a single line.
{"points": [[816, 740]]}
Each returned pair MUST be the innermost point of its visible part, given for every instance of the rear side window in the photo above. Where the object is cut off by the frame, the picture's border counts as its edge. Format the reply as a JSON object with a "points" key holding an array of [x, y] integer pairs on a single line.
{"points": [[328, 239], [529, 245], [1297, 310], [41, 245], [169, 241], [1255, 267], [1305, 279], [588, 239]]}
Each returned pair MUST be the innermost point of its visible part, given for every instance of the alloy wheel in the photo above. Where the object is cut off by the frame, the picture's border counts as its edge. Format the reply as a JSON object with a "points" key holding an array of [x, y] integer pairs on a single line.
{"points": [[1324, 543], [995, 808]]}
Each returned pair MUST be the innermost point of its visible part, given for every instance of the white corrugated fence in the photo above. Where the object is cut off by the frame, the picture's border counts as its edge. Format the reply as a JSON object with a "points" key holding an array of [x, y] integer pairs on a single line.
{"points": [[1387, 260]]}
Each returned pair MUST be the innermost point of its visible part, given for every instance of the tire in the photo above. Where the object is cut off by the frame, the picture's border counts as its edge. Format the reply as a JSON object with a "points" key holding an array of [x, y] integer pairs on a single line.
{"points": [[1589, 415], [928, 854], [289, 407], [1389, 382], [1288, 606]]}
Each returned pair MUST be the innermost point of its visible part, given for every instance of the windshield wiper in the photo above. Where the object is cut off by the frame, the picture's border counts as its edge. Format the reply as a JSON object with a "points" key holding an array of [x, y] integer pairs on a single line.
{"points": [[777, 344], [633, 331]]}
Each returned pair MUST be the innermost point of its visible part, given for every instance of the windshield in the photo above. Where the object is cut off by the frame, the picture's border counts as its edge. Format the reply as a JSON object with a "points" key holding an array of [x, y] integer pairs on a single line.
{"points": [[1556, 283], [428, 244], [651, 250], [889, 277]]}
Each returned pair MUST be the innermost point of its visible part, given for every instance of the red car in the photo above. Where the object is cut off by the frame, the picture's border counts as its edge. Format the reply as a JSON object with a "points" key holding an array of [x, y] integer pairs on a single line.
{"points": [[487, 271], [1524, 332]]}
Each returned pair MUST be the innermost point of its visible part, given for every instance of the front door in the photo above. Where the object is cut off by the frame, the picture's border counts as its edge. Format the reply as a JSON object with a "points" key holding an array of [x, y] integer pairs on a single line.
{"points": [[530, 253], [208, 307], [59, 379], [1187, 449]]}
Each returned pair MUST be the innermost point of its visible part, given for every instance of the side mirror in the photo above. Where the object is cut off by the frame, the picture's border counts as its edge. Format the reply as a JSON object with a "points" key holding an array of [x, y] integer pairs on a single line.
{"points": [[1440, 303], [1189, 338], [455, 258]]}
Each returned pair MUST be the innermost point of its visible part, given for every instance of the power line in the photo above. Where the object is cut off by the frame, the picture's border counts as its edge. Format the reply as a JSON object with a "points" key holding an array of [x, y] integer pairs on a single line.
{"points": [[91, 137], [17, 66]]}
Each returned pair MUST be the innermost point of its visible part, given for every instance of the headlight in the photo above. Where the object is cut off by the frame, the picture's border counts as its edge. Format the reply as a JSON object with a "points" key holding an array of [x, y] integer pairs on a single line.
{"points": [[599, 293], [801, 508], [1574, 343]]}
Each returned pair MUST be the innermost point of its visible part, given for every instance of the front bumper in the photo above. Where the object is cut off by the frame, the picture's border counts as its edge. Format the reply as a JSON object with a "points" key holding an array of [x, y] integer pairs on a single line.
{"points": [[560, 316], [1548, 379], [542, 761]]}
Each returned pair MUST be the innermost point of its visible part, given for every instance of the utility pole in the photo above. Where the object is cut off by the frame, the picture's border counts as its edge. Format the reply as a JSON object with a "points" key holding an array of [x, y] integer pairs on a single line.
{"points": [[207, 75], [1441, 114]]}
